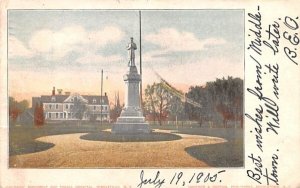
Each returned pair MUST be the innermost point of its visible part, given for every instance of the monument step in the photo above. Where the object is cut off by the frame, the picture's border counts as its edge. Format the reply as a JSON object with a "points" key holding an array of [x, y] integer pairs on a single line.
{"points": [[131, 120], [129, 128]]}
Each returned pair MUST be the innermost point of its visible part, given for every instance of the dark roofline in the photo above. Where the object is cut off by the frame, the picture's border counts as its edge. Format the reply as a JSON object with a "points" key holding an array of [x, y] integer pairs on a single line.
{"points": [[61, 98]]}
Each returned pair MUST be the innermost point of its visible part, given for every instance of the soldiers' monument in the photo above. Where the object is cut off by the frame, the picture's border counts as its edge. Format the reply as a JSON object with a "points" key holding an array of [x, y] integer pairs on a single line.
{"points": [[131, 119]]}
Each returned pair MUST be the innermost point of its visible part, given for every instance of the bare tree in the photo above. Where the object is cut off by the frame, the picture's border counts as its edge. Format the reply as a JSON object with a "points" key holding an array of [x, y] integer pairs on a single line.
{"points": [[157, 101]]}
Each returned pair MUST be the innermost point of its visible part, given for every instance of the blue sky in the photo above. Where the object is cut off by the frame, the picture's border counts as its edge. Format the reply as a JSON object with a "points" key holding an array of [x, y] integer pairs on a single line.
{"points": [[68, 48]]}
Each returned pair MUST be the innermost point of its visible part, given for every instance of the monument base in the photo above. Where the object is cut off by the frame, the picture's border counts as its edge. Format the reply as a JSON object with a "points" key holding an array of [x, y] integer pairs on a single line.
{"points": [[130, 128], [131, 121]]}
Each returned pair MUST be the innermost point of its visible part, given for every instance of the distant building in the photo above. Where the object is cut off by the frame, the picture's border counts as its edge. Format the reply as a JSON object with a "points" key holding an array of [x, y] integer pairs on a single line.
{"points": [[65, 106], [27, 117]]}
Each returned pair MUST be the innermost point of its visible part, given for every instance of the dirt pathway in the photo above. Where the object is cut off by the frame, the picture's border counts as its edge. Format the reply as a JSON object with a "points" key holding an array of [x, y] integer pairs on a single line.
{"points": [[71, 151]]}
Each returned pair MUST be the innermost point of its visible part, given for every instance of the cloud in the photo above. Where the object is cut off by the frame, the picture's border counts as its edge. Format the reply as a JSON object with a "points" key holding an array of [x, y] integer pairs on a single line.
{"points": [[152, 57], [106, 35], [200, 71], [170, 39], [59, 43], [17, 49], [178, 47], [96, 58]]}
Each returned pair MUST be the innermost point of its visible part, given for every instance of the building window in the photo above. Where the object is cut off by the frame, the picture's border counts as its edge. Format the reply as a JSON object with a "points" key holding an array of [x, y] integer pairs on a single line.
{"points": [[56, 115], [69, 115], [72, 100], [94, 107], [67, 106], [105, 108], [50, 106], [61, 115], [94, 101], [71, 106], [53, 99], [56, 106], [49, 115]]}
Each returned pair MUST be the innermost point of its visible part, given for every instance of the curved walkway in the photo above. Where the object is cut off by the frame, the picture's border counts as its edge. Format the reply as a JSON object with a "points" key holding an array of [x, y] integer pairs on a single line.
{"points": [[71, 151]]}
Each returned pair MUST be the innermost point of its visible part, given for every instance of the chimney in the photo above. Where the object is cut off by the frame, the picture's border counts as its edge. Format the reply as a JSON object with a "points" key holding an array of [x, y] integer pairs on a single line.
{"points": [[59, 91], [53, 91], [105, 94]]}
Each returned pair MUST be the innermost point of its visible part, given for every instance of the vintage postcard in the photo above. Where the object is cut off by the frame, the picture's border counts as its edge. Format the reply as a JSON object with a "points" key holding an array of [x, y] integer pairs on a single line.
{"points": [[131, 94]]}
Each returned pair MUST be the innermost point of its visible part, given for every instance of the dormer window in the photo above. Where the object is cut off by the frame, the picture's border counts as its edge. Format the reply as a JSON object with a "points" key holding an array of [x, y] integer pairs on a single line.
{"points": [[94, 101], [52, 99], [72, 100]]}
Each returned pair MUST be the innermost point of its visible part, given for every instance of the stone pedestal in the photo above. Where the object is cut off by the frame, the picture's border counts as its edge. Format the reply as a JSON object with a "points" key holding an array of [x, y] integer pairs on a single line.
{"points": [[131, 119]]}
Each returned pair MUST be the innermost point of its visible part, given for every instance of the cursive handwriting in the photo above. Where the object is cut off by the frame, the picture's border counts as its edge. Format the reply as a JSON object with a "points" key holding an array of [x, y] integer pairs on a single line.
{"points": [[279, 39], [258, 173], [157, 182], [274, 36], [255, 44], [258, 119], [273, 69], [180, 179], [291, 35]]}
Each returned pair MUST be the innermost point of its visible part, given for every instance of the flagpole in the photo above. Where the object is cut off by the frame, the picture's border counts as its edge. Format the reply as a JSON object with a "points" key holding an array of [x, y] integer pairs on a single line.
{"points": [[101, 98], [141, 85]]}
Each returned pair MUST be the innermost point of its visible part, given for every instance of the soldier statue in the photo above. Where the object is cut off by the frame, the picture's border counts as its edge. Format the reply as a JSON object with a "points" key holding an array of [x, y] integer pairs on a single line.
{"points": [[131, 47]]}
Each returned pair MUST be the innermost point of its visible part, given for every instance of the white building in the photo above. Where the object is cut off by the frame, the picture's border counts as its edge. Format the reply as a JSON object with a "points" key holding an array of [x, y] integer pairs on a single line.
{"points": [[73, 106]]}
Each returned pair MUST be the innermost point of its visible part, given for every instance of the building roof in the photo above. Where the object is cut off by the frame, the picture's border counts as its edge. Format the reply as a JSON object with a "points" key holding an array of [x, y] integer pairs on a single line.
{"points": [[58, 98], [95, 99], [92, 99]]}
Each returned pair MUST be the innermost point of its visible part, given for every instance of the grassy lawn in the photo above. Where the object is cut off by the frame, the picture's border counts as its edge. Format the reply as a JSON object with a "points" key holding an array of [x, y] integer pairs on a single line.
{"points": [[22, 138], [110, 137], [229, 154]]}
